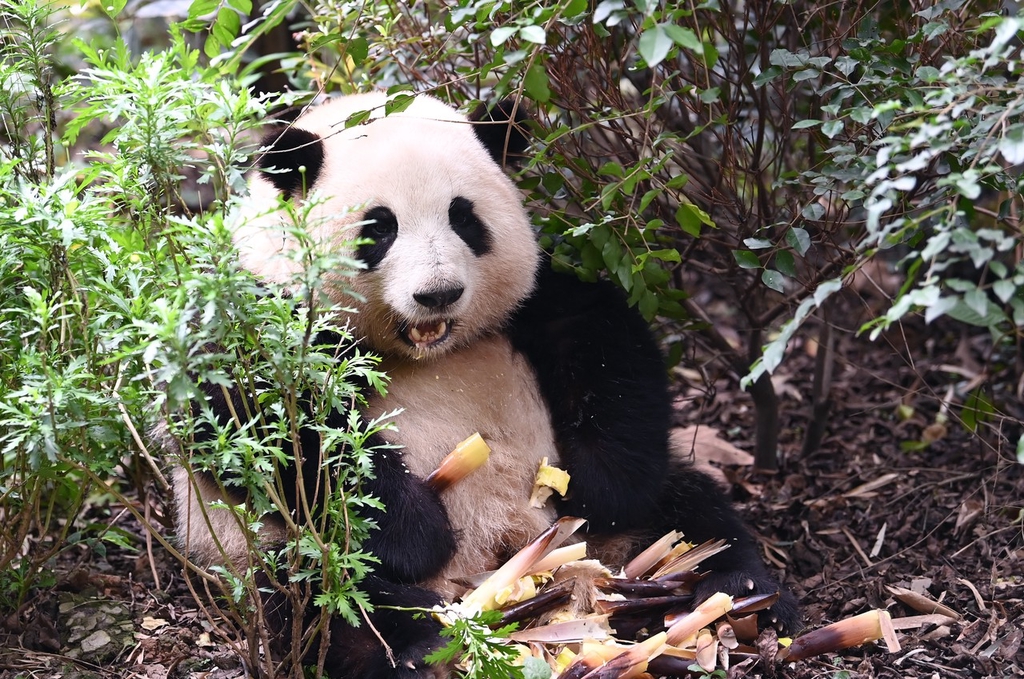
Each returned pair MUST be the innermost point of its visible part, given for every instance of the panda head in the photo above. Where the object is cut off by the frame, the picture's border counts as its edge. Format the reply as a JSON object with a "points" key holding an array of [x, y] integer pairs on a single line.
{"points": [[451, 252]]}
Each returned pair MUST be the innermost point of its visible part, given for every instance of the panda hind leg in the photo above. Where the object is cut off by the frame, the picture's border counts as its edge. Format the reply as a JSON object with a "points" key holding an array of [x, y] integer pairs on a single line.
{"points": [[693, 503], [360, 652]]}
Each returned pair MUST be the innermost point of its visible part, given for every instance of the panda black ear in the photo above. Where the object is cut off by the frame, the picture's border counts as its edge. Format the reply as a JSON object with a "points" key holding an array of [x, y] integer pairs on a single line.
{"points": [[501, 129], [292, 160]]}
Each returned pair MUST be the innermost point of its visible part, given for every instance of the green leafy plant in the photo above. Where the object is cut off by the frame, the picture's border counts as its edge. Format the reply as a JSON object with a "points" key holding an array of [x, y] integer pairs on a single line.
{"points": [[479, 645], [116, 289]]}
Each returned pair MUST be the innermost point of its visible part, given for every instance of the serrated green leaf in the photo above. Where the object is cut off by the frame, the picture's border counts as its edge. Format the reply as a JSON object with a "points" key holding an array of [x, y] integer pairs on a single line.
{"points": [[773, 279], [928, 74], [964, 313], [654, 45], [967, 186], [977, 300]]}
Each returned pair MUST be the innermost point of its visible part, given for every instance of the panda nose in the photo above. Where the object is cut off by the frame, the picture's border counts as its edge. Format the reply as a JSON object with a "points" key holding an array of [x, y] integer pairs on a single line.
{"points": [[438, 299]]}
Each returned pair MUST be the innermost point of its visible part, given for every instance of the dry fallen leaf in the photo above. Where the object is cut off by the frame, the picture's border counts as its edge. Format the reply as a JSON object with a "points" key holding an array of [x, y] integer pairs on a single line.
{"points": [[150, 623]]}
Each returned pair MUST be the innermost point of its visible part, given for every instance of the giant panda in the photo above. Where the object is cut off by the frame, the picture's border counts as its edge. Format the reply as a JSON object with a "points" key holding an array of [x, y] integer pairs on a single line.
{"points": [[477, 333]]}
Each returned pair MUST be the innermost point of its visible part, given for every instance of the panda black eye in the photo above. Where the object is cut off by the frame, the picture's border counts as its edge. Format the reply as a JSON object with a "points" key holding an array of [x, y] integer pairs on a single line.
{"points": [[468, 226], [381, 223]]}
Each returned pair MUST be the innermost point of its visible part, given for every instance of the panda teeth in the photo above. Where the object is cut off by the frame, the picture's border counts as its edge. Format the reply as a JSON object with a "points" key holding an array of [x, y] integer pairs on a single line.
{"points": [[424, 335]]}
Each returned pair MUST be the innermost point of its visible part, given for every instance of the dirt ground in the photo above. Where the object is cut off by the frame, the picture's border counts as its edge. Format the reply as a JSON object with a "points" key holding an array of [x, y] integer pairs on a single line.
{"points": [[893, 498]]}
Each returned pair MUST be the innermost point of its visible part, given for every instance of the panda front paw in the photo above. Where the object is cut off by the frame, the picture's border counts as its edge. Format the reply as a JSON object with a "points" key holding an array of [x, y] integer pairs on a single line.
{"points": [[414, 538], [783, 615]]}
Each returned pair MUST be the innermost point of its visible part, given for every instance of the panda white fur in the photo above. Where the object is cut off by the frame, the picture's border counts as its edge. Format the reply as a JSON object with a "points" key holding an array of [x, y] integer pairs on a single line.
{"points": [[476, 334]]}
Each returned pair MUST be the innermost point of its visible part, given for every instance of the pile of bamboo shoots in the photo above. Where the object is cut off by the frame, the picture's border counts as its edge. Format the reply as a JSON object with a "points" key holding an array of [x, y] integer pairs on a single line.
{"points": [[585, 621]]}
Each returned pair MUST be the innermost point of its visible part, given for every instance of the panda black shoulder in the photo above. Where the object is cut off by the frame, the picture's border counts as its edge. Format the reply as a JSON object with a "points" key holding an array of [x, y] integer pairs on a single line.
{"points": [[291, 160], [500, 130], [602, 376]]}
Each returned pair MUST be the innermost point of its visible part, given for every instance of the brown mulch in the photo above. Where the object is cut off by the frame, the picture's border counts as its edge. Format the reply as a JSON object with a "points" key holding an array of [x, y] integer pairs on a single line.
{"points": [[894, 497]]}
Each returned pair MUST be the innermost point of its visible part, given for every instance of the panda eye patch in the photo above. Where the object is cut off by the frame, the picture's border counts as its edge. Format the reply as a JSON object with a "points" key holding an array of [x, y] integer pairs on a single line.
{"points": [[468, 226], [381, 223], [381, 227]]}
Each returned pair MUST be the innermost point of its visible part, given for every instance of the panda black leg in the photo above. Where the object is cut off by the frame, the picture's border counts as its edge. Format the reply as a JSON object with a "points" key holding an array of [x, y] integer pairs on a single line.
{"points": [[390, 644], [358, 653]]}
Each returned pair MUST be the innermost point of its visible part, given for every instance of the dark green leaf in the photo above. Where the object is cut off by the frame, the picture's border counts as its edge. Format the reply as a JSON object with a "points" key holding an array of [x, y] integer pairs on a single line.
{"points": [[799, 240], [536, 83], [746, 259], [501, 34], [684, 37], [654, 45], [533, 33], [773, 279], [767, 76], [202, 8], [831, 128], [785, 263], [113, 7]]}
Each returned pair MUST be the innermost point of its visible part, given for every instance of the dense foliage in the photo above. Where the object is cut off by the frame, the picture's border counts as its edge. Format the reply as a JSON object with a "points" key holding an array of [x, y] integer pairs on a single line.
{"points": [[785, 150]]}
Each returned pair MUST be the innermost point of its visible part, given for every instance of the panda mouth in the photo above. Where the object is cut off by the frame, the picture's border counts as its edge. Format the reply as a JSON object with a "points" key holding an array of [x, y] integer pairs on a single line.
{"points": [[427, 334]]}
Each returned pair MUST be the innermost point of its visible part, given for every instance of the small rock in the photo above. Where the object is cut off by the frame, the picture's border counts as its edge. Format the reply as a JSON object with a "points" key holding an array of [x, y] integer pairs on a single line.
{"points": [[95, 641]]}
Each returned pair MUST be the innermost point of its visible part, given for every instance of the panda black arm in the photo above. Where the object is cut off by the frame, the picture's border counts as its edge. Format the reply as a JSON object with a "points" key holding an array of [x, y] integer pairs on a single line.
{"points": [[603, 378], [695, 504], [413, 538]]}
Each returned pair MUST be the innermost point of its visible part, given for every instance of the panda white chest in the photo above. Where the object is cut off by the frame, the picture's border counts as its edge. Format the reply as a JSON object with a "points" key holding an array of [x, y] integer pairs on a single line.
{"points": [[488, 388]]}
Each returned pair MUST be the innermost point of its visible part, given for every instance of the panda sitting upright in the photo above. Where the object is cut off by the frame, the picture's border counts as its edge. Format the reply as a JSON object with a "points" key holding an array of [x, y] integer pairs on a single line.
{"points": [[477, 334]]}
